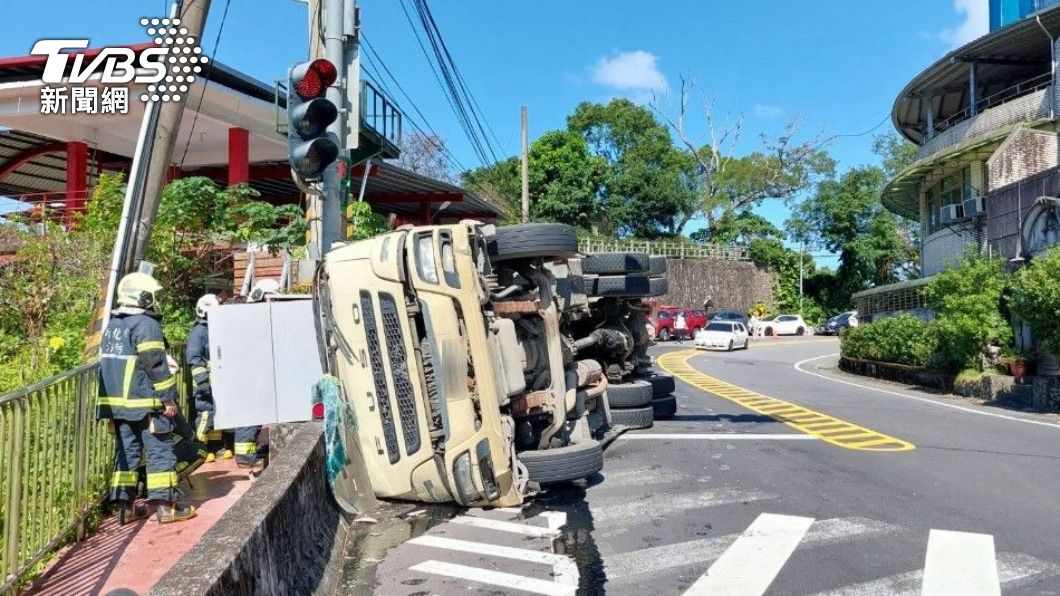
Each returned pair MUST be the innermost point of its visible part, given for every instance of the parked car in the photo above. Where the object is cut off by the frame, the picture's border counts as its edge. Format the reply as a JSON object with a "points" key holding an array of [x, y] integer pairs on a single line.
{"points": [[725, 335], [728, 315], [665, 318], [785, 325], [836, 324]]}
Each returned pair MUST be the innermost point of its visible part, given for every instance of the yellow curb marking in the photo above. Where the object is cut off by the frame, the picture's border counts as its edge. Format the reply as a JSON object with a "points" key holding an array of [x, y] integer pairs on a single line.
{"points": [[829, 429]]}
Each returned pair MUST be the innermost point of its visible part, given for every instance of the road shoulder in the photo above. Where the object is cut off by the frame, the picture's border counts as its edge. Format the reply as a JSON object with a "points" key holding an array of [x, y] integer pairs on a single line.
{"points": [[827, 367]]}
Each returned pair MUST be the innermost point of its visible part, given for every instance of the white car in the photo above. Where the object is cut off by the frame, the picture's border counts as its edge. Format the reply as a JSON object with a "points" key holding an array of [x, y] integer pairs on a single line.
{"points": [[723, 335], [785, 325]]}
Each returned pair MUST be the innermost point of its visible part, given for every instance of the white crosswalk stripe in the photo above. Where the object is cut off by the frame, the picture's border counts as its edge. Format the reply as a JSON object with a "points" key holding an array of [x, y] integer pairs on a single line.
{"points": [[643, 564], [1013, 570], [627, 507], [495, 578], [749, 566], [960, 563]]}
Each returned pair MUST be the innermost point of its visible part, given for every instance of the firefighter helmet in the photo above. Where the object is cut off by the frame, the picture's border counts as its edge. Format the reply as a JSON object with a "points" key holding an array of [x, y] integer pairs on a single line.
{"points": [[138, 290], [205, 303]]}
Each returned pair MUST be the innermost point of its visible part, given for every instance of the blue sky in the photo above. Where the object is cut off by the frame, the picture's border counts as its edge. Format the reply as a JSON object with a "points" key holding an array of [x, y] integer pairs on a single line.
{"points": [[835, 64]]}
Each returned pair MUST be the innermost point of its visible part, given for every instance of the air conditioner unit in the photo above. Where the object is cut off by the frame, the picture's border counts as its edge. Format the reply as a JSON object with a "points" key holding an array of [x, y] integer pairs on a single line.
{"points": [[949, 213], [973, 207]]}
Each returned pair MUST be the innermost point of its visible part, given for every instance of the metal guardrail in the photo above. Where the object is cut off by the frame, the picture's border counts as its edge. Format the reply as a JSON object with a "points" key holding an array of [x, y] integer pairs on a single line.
{"points": [[55, 465], [1025, 87], [675, 250]]}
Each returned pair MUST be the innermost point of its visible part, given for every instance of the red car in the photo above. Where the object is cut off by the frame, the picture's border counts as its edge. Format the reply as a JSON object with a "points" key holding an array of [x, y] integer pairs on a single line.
{"points": [[665, 318]]}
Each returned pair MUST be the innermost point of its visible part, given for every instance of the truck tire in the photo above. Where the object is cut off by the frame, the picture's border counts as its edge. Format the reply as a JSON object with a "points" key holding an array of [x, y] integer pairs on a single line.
{"points": [[533, 240], [635, 394], [664, 408], [633, 417], [657, 265], [628, 286], [615, 263], [661, 384], [658, 286], [563, 464]]}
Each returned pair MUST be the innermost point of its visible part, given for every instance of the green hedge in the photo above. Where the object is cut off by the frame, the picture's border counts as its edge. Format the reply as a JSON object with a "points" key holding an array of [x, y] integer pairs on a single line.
{"points": [[899, 340]]}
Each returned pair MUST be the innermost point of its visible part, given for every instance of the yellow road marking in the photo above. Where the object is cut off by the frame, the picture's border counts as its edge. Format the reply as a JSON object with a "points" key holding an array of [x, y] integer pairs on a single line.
{"points": [[829, 429]]}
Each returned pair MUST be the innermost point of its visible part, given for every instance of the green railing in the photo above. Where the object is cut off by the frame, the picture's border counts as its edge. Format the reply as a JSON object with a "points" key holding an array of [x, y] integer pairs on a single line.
{"points": [[55, 465], [668, 248]]}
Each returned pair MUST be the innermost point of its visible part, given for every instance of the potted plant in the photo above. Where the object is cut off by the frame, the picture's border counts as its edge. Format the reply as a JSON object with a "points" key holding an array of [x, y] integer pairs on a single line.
{"points": [[1020, 364]]}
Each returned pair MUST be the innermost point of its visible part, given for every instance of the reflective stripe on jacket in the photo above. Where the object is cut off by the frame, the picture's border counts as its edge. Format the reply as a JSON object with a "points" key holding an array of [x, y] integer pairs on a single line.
{"points": [[134, 376]]}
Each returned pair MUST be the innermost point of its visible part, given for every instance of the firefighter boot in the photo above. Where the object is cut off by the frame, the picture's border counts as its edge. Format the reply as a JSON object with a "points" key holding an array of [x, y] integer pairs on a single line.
{"points": [[128, 513], [174, 512]]}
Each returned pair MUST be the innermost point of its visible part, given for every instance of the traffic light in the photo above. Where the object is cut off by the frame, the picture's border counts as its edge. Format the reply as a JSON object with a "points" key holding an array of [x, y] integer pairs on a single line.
{"points": [[310, 147]]}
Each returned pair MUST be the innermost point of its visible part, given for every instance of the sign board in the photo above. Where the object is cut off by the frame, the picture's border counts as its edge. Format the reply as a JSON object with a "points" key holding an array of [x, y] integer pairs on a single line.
{"points": [[263, 362]]}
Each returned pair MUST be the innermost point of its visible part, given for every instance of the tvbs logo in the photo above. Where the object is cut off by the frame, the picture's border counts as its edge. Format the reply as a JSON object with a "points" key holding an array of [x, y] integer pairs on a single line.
{"points": [[167, 70]]}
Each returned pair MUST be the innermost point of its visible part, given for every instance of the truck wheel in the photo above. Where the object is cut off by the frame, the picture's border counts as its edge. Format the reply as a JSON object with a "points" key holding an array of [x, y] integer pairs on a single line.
{"points": [[658, 286], [657, 265], [563, 464], [620, 286], [533, 240], [635, 394], [665, 407], [660, 384], [633, 417], [615, 263]]}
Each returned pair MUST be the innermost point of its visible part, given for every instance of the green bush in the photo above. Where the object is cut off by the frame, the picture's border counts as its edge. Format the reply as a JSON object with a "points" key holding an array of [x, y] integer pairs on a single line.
{"points": [[899, 340], [967, 300]]}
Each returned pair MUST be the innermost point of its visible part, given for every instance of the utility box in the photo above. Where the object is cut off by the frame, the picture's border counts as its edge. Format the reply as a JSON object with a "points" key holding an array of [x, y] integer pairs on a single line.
{"points": [[263, 362]]}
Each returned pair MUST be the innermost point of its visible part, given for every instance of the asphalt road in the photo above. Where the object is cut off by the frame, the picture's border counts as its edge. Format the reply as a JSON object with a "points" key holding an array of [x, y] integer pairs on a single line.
{"points": [[768, 508]]}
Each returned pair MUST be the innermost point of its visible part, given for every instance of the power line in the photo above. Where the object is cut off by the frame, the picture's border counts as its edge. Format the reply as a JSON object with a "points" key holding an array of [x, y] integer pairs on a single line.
{"points": [[206, 79], [378, 61]]}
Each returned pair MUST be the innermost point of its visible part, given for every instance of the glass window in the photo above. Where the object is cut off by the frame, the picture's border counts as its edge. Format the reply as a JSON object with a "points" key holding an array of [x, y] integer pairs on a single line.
{"points": [[725, 327]]}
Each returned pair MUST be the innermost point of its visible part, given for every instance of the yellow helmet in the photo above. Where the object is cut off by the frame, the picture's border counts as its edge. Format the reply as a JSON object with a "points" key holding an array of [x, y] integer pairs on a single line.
{"points": [[138, 290]]}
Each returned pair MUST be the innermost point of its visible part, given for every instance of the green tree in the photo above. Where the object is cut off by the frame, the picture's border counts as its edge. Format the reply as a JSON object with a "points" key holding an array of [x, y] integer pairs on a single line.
{"points": [[1035, 297], [967, 299], [565, 179], [725, 184], [845, 216], [738, 228], [499, 183], [649, 187], [896, 152]]}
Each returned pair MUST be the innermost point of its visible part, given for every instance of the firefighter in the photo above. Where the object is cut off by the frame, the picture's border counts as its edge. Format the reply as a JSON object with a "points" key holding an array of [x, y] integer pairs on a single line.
{"points": [[138, 394], [197, 356]]}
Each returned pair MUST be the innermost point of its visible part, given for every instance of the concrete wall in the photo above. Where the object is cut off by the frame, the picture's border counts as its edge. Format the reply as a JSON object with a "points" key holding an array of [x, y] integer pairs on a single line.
{"points": [[1005, 208], [285, 536], [733, 285], [1024, 153], [942, 248]]}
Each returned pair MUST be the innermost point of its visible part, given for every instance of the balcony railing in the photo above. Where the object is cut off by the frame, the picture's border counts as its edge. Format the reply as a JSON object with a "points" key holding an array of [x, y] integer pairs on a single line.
{"points": [[35, 209], [667, 248], [381, 117], [1020, 89]]}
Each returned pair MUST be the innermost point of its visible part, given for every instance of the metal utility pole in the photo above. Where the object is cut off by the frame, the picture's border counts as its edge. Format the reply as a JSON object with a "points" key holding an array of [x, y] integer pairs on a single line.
{"points": [[526, 172], [802, 255], [333, 35], [192, 15]]}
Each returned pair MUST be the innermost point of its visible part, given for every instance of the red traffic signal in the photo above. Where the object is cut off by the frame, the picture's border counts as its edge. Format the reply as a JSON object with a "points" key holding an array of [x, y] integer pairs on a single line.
{"points": [[314, 79]]}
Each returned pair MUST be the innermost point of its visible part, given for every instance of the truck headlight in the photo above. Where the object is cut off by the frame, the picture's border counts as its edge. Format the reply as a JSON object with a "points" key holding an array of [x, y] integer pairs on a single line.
{"points": [[466, 492], [425, 258]]}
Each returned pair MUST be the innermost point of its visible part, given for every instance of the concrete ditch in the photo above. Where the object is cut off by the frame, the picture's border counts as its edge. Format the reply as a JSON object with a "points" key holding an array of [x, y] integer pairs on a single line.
{"points": [[286, 535]]}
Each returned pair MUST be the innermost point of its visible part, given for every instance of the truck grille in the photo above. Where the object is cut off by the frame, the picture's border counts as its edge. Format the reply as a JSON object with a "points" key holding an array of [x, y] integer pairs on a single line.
{"points": [[399, 367], [382, 396]]}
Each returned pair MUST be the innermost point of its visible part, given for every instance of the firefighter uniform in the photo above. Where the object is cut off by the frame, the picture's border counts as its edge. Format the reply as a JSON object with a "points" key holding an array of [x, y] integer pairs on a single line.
{"points": [[134, 382], [197, 356], [247, 446]]}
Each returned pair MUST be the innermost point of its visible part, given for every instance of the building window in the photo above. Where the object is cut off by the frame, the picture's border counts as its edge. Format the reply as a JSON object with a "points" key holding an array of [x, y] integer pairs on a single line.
{"points": [[951, 190]]}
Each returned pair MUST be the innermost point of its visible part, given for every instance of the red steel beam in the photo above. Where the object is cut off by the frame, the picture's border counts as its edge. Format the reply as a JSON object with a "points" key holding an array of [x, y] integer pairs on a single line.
{"points": [[238, 156], [76, 178]]}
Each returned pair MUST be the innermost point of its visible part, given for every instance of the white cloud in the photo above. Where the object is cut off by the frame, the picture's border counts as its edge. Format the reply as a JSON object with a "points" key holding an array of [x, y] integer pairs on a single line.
{"points": [[633, 72], [975, 22], [768, 111]]}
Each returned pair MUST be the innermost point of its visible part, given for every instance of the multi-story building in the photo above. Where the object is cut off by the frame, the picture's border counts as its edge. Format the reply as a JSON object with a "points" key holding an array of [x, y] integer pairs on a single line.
{"points": [[985, 120]]}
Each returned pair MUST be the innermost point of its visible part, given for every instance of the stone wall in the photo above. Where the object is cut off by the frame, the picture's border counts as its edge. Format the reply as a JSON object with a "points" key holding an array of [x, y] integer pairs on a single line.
{"points": [[284, 536], [1046, 394], [733, 285], [900, 373]]}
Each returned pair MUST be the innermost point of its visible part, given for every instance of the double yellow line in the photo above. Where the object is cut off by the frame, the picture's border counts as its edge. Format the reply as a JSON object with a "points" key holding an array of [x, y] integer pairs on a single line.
{"points": [[829, 429]]}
